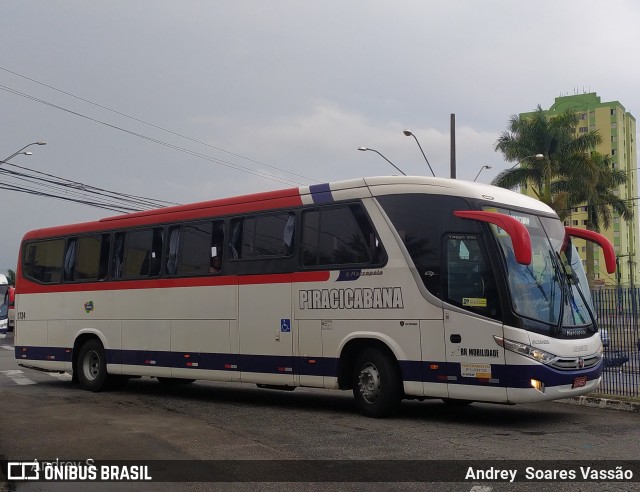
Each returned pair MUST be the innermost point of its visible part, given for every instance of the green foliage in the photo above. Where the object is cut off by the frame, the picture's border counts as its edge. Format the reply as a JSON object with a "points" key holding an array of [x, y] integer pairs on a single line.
{"points": [[11, 277], [555, 138], [570, 174]]}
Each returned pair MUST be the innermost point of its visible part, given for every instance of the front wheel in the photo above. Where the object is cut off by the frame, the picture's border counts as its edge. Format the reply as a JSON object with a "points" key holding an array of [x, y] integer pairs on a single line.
{"points": [[92, 366], [377, 387]]}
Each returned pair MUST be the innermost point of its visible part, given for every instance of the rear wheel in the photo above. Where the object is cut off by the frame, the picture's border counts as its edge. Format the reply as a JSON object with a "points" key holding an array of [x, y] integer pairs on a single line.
{"points": [[377, 387], [92, 366]]}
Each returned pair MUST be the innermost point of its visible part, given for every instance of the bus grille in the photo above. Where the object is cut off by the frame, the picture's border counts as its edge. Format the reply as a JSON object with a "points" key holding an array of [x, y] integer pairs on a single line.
{"points": [[573, 363]]}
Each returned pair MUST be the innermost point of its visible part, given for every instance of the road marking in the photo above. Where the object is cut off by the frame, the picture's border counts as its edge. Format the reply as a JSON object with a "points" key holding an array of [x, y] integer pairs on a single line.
{"points": [[17, 377], [8, 347]]}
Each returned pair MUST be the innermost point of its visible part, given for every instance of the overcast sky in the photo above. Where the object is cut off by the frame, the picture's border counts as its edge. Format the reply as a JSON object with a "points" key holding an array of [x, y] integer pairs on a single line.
{"points": [[281, 84]]}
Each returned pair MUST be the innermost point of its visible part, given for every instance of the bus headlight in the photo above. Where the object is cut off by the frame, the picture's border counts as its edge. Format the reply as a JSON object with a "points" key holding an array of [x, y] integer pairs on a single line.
{"points": [[526, 350]]}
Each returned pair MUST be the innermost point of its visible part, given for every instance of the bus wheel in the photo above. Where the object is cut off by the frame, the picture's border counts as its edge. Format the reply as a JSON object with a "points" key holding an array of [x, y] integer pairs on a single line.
{"points": [[92, 366], [376, 384]]}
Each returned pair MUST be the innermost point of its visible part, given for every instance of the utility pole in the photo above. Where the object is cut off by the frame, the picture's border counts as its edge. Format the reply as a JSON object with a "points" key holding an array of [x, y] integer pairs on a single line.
{"points": [[453, 146]]}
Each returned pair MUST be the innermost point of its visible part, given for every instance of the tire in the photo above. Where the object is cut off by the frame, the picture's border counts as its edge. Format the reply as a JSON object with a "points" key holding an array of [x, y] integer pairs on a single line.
{"points": [[92, 366], [175, 381], [377, 387]]}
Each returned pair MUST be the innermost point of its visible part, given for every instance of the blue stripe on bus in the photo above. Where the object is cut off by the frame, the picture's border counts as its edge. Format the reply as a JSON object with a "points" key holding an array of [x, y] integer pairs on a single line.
{"points": [[321, 194], [512, 376]]}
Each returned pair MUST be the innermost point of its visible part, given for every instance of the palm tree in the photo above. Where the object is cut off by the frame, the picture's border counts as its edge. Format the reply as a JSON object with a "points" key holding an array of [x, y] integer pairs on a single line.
{"points": [[555, 138], [591, 182]]}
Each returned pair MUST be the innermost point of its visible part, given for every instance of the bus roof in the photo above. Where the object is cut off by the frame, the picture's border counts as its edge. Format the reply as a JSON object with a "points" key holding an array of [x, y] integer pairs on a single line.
{"points": [[305, 195]]}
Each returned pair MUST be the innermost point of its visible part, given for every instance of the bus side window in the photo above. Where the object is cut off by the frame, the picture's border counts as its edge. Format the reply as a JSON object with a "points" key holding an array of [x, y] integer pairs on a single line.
{"points": [[217, 247], [337, 236], [117, 261], [156, 252], [45, 261], [104, 256], [70, 259], [195, 250], [171, 268]]}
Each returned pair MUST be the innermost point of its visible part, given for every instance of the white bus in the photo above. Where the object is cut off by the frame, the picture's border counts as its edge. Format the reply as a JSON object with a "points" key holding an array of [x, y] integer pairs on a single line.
{"points": [[394, 287]]}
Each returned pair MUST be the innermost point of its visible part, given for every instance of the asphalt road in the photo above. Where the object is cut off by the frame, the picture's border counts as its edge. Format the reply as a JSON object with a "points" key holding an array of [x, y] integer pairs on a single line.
{"points": [[44, 416]]}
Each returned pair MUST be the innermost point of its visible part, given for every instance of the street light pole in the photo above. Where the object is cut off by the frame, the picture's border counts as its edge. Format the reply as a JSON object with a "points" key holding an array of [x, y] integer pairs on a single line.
{"points": [[537, 157], [481, 169], [21, 151], [374, 150], [409, 134]]}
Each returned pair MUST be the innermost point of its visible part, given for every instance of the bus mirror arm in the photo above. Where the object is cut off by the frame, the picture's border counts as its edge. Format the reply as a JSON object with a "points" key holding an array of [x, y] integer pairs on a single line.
{"points": [[518, 233], [600, 240]]}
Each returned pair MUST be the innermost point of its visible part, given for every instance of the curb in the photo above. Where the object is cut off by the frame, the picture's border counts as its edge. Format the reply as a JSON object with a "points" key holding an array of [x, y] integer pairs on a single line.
{"points": [[607, 403]]}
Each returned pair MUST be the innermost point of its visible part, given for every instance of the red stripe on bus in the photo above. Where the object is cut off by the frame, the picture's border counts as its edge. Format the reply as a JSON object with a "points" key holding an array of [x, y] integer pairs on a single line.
{"points": [[217, 208], [27, 287]]}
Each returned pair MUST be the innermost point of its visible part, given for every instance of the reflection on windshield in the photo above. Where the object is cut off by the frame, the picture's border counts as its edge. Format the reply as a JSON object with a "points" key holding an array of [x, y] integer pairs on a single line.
{"points": [[553, 287]]}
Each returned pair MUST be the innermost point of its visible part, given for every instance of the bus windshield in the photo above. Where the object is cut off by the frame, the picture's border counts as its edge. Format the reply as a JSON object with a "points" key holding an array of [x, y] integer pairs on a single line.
{"points": [[553, 289]]}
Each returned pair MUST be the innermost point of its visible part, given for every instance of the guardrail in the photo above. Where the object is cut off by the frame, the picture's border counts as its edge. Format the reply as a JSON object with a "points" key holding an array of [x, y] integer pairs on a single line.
{"points": [[618, 312]]}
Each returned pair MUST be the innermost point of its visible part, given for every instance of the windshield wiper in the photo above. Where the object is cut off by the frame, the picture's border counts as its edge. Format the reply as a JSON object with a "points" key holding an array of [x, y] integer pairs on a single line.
{"points": [[570, 279], [560, 276]]}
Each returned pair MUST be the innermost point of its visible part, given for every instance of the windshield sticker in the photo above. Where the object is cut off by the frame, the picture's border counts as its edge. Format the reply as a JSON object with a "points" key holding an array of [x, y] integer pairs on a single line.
{"points": [[376, 298], [475, 370], [474, 302]]}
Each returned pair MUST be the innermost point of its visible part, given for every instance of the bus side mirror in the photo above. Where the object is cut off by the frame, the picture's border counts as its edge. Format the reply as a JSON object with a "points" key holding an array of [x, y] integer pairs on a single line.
{"points": [[600, 240], [517, 231]]}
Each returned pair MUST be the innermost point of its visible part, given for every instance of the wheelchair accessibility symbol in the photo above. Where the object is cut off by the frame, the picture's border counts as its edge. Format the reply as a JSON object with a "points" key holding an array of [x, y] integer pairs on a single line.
{"points": [[285, 325]]}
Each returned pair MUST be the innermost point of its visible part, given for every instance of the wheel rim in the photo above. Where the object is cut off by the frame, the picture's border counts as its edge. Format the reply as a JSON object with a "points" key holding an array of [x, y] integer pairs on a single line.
{"points": [[369, 383], [91, 365]]}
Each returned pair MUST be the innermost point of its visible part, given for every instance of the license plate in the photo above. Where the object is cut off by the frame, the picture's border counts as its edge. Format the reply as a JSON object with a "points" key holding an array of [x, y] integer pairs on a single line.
{"points": [[579, 382]]}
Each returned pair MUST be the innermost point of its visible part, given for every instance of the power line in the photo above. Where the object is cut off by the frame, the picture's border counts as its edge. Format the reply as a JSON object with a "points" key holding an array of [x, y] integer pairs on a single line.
{"points": [[149, 124], [52, 186], [231, 165], [152, 202]]}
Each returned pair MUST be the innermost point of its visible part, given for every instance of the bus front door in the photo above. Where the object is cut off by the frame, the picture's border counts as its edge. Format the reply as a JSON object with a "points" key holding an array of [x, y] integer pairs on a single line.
{"points": [[475, 362]]}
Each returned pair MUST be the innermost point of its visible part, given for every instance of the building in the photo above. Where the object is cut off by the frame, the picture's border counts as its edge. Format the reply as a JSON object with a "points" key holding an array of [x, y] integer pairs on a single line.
{"points": [[617, 128]]}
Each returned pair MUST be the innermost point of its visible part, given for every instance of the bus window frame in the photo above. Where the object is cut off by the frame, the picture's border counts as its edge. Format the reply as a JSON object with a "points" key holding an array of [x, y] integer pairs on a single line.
{"points": [[383, 257]]}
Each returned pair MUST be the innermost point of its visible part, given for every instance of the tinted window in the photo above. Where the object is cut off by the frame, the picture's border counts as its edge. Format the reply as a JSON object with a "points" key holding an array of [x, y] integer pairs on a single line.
{"points": [[196, 249], [44, 260], [262, 236], [82, 259], [137, 254], [469, 279], [338, 236], [421, 221]]}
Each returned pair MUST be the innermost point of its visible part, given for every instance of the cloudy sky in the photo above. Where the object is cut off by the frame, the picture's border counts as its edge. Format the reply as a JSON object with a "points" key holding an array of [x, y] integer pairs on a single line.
{"points": [[193, 100]]}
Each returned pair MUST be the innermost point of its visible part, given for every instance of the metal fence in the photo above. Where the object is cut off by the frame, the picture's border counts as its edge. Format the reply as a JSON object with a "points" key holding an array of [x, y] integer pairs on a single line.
{"points": [[618, 317]]}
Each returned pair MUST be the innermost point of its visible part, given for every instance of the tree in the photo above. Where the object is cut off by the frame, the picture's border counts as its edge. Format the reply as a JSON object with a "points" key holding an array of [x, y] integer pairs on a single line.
{"points": [[591, 182], [555, 138], [11, 277]]}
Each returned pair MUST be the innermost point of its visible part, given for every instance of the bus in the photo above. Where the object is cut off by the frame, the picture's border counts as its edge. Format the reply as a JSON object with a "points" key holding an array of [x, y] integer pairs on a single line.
{"points": [[393, 287]]}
